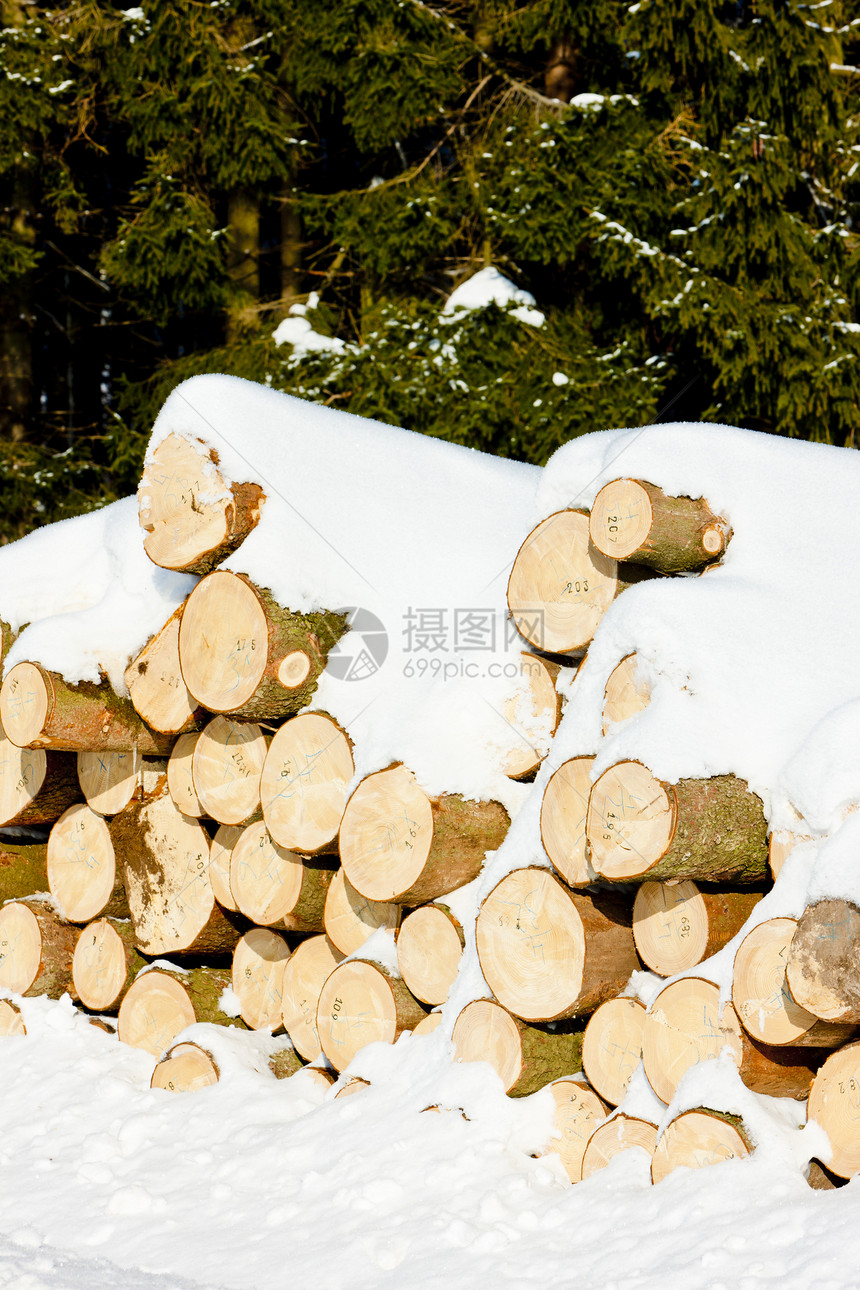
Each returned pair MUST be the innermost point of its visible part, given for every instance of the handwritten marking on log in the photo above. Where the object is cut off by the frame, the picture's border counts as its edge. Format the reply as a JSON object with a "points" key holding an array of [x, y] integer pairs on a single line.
{"points": [[304, 977], [303, 787], [259, 961]]}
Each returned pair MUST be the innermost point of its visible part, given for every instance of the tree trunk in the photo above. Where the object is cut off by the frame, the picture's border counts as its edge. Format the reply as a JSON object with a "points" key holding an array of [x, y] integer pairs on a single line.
{"points": [[23, 869], [362, 1003], [305, 974], [632, 520], [429, 948], [259, 961], [186, 1068], [618, 1134], [696, 1139], [286, 1062], [524, 1057], [35, 786], [710, 829], [82, 870], [677, 924], [39, 709], [163, 1001], [108, 779], [578, 1111], [226, 767], [278, 888], [823, 972], [155, 684], [562, 821], [304, 783], [547, 952], [242, 653], [834, 1103], [625, 694], [349, 918], [612, 1046], [36, 949], [105, 964], [398, 844]]}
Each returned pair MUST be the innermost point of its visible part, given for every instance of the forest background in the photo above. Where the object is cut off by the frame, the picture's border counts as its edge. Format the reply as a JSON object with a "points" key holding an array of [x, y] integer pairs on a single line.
{"points": [[674, 181]]}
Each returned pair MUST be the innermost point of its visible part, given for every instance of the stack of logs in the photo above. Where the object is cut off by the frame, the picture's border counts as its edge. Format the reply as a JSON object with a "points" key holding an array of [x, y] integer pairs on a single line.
{"points": [[206, 819]]}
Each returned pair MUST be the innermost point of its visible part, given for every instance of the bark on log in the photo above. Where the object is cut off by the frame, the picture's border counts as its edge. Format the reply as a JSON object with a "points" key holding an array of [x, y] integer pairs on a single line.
{"points": [[191, 516], [532, 722], [303, 788], [305, 974], [38, 709], [83, 876], [696, 1139], [561, 585], [11, 1021], [155, 685], [710, 829], [35, 786], [349, 918], [678, 924], [180, 780], [823, 972], [108, 780], [163, 1001], [762, 999], [612, 1046], [23, 868], [220, 852], [429, 948], [834, 1103], [398, 844], [36, 949], [278, 888], [633, 520], [618, 1134], [524, 1057], [286, 1062], [259, 961], [626, 693], [185, 1068], [105, 963], [547, 952], [242, 653], [578, 1112], [562, 821], [226, 766], [362, 1003]]}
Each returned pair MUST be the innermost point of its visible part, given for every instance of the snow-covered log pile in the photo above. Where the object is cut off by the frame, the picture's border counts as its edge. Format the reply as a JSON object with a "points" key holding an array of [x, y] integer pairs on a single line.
{"points": [[281, 751]]}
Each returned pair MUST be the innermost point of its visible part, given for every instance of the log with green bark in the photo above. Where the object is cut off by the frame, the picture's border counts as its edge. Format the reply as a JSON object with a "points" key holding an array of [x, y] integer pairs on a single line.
{"points": [[524, 1057], [634, 520]]}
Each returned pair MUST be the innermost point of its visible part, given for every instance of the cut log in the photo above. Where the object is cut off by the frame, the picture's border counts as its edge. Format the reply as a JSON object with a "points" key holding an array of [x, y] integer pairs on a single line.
{"points": [[632, 520], [614, 1136], [708, 829], [108, 779], [612, 1046], [834, 1103], [626, 693], [82, 870], [677, 925], [547, 952], [362, 1003], [105, 964], [429, 948], [762, 999], [162, 1002], [303, 788], [180, 780], [398, 844], [35, 786], [562, 821], [155, 684], [286, 1062], [696, 1139], [226, 767], [428, 1024], [349, 917], [823, 971], [780, 846], [186, 1068], [354, 1085], [191, 516], [23, 868], [243, 653], [220, 853], [561, 585], [578, 1112], [36, 949], [259, 961], [304, 977], [164, 859], [278, 888], [821, 1179], [532, 721], [524, 1057], [38, 709], [11, 1021], [684, 1027]]}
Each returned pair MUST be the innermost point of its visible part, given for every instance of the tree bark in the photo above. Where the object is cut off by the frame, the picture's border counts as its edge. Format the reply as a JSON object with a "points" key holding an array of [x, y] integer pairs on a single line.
{"points": [[524, 1057], [633, 520], [23, 869]]}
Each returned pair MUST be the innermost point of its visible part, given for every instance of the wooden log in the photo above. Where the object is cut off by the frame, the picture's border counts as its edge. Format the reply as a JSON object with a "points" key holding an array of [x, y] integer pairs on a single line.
{"points": [[164, 861], [834, 1103], [524, 1057], [108, 780], [612, 1046], [226, 766], [822, 972], [36, 786], [163, 1001], [83, 876], [620, 1133], [180, 780], [278, 888], [155, 685], [696, 1139], [685, 1026], [11, 1021], [562, 821], [259, 961], [532, 722], [547, 952], [38, 709], [428, 1024], [354, 1085], [36, 949], [633, 520], [243, 653], [399, 844], [561, 585], [185, 1068], [626, 693], [578, 1112], [305, 974], [762, 999], [710, 829], [821, 1179], [23, 868], [780, 845], [350, 918], [105, 964], [220, 852], [362, 1003], [678, 924], [303, 787], [429, 948], [192, 517], [286, 1062]]}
